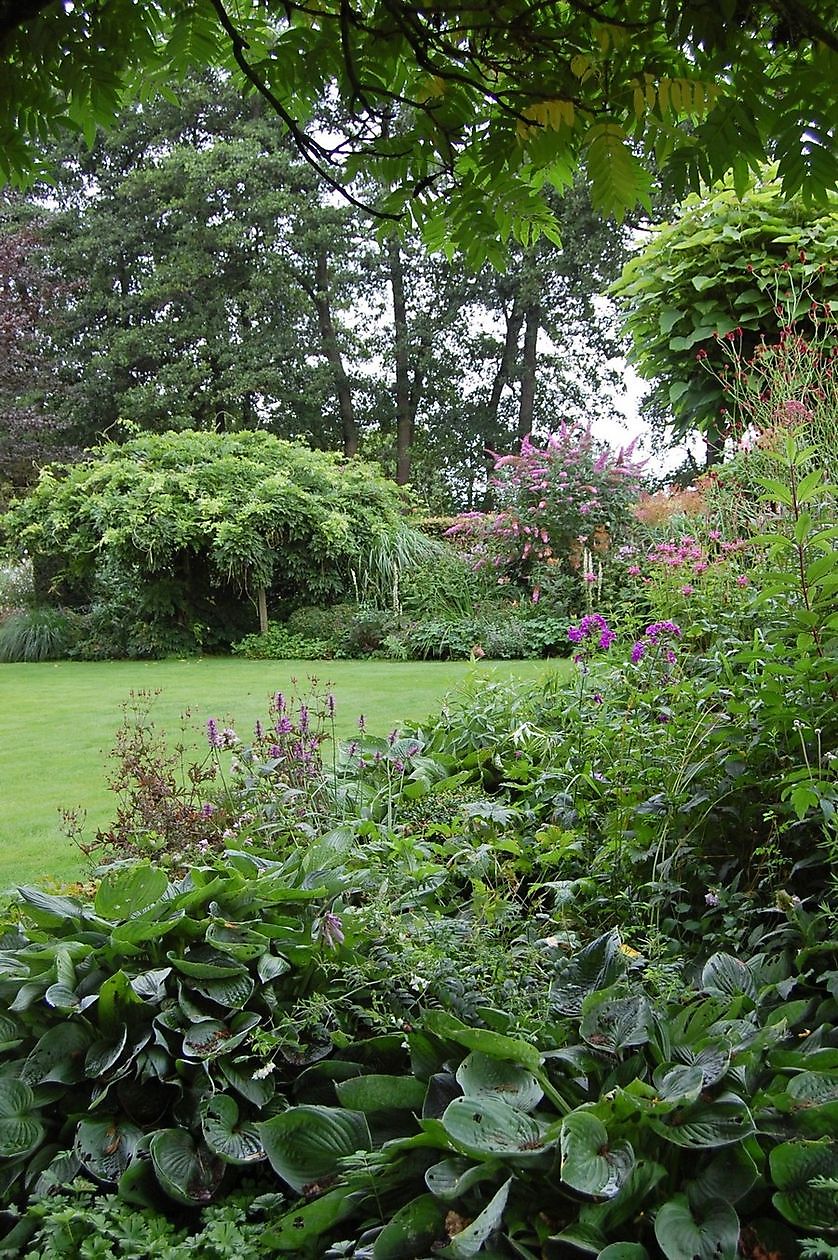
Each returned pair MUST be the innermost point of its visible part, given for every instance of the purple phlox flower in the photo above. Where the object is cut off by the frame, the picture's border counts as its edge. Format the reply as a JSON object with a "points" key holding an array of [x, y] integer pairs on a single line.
{"points": [[657, 628], [592, 624], [638, 652], [711, 899], [213, 734], [333, 934]]}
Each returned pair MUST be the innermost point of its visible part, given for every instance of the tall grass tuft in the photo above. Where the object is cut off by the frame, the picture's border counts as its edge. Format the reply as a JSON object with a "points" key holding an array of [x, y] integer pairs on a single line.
{"points": [[37, 634]]}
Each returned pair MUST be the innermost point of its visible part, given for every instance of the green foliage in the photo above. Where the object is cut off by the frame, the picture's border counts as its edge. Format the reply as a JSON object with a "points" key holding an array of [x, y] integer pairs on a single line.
{"points": [[279, 643], [37, 634], [196, 519], [725, 267], [80, 1221], [539, 94]]}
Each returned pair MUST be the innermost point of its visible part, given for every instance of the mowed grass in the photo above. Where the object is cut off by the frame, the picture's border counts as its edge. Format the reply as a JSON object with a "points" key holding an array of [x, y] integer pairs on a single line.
{"points": [[58, 721]]}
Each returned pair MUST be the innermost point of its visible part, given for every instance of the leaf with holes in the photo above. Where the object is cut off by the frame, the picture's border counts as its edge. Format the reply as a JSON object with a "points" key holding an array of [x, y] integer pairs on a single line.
{"points": [[412, 1230], [488, 1127], [481, 1076], [105, 1146], [590, 1164], [470, 1240]]}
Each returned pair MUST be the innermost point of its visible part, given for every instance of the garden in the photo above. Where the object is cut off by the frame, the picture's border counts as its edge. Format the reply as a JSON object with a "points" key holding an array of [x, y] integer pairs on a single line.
{"points": [[449, 796]]}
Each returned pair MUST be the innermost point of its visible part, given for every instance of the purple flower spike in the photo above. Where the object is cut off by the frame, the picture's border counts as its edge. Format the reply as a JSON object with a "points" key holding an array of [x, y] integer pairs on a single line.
{"points": [[333, 933], [213, 734]]}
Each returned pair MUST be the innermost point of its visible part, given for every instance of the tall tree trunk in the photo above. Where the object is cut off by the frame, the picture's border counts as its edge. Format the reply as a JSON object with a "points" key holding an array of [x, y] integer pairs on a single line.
{"points": [[405, 399], [529, 364], [506, 366], [331, 349]]}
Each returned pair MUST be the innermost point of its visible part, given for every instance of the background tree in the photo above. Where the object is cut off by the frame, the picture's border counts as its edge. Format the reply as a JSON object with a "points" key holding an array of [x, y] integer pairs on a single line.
{"points": [[494, 102], [29, 293], [205, 271], [729, 268]]}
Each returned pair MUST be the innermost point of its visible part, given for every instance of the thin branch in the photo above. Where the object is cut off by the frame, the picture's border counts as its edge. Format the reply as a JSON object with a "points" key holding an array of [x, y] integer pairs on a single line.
{"points": [[304, 143]]}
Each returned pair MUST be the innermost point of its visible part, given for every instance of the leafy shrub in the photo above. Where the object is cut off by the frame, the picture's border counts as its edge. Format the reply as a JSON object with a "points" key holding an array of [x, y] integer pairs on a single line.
{"points": [[772, 256], [500, 636], [37, 634], [280, 643], [364, 635], [325, 624], [232, 513]]}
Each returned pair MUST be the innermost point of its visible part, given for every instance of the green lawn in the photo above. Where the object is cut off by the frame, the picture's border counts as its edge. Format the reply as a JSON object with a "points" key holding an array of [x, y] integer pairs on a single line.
{"points": [[57, 723]]}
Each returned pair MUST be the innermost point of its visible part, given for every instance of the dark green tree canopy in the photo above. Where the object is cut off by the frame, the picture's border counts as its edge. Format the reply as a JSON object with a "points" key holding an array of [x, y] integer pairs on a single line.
{"points": [[461, 114], [725, 267]]}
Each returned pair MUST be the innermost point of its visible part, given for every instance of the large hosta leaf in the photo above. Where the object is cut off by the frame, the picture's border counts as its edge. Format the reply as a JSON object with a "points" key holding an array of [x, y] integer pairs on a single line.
{"points": [[794, 1167], [21, 1129], [707, 1124], [710, 1232], [489, 1127], [469, 1241], [209, 1038], [128, 890], [304, 1144], [188, 1173], [725, 976], [482, 1076], [590, 1164], [451, 1178], [615, 1023], [412, 1231], [105, 1145], [381, 1093], [58, 1056], [496, 1045], [595, 967], [236, 1143]]}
